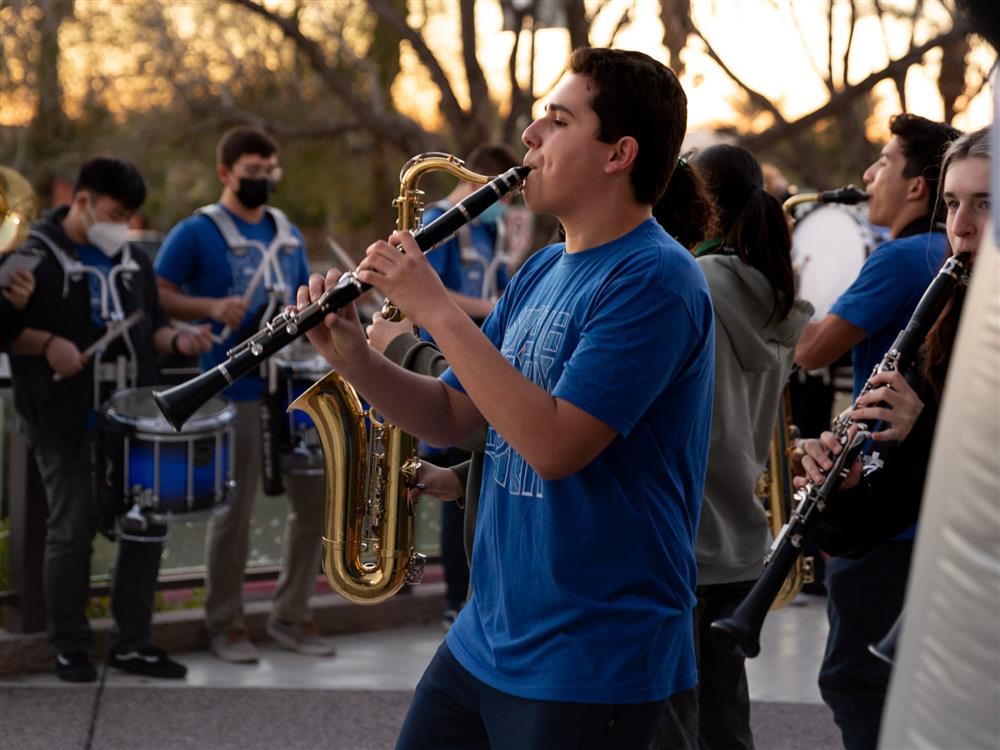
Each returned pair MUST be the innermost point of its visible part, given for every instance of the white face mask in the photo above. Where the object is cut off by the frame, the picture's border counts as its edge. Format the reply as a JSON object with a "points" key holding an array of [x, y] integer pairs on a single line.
{"points": [[107, 236]]}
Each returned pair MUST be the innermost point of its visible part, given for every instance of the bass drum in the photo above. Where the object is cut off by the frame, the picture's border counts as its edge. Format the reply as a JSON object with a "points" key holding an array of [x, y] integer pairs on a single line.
{"points": [[829, 246]]}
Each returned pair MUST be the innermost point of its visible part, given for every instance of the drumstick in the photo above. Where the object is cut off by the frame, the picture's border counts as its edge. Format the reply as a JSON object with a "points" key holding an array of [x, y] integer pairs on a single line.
{"points": [[114, 331]]}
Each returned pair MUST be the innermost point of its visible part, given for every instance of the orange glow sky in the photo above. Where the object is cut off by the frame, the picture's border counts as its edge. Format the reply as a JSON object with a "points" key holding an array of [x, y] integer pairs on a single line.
{"points": [[756, 38]]}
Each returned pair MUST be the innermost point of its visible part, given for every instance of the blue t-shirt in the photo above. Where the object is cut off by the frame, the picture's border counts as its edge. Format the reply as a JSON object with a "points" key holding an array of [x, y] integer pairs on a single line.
{"points": [[883, 297], [194, 256], [95, 258], [583, 587]]}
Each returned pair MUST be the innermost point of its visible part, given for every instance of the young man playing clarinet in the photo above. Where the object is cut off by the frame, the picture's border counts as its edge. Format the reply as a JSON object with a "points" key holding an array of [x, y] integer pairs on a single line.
{"points": [[594, 375], [865, 595]]}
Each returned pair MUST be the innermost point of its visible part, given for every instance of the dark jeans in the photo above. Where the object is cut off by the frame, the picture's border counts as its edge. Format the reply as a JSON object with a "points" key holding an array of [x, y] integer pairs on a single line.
{"points": [[718, 713], [70, 528], [865, 598], [452, 710]]}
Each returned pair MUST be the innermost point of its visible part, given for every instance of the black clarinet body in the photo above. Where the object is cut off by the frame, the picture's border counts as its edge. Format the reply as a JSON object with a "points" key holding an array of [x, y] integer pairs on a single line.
{"points": [[742, 628], [178, 403]]}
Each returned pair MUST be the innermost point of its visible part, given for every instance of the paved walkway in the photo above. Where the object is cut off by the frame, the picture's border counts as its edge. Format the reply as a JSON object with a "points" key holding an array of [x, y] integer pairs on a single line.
{"points": [[353, 701]]}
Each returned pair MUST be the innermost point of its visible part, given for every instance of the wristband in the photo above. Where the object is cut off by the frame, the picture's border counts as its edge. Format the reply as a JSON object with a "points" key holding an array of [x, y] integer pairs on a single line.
{"points": [[45, 346], [173, 343]]}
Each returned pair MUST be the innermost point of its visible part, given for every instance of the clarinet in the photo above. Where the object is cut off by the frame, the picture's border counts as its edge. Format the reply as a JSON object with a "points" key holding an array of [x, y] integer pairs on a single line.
{"points": [[178, 403], [742, 628]]}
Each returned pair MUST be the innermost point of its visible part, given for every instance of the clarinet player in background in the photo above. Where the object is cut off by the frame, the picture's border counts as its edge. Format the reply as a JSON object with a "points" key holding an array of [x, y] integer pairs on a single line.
{"points": [[884, 495]]}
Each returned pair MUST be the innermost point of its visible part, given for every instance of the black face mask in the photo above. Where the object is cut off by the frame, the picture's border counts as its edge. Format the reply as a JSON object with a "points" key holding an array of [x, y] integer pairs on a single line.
{"points": [[254, 193]]}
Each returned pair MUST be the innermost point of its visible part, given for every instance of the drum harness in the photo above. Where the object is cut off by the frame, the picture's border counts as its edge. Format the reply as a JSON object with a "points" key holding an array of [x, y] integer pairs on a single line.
{"points": [[123, 372], [470, 257]]}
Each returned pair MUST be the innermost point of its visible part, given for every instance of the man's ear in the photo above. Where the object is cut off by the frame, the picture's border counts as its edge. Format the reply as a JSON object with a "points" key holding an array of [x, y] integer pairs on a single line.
{"points": [[222, 171], [623, 155], [918, 188]]}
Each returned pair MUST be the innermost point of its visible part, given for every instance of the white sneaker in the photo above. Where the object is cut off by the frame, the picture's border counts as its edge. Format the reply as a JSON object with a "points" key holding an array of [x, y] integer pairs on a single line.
{"points": [[234, 646], [303, 638]]}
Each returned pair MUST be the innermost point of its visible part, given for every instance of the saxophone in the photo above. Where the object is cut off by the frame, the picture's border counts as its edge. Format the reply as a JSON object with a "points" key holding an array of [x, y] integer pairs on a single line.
{"points": [[368, 548], [774, 489]]}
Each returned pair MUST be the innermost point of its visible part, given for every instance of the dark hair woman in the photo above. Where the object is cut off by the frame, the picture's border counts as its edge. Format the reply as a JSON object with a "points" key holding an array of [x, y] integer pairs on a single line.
{"points": [[747, 262]]}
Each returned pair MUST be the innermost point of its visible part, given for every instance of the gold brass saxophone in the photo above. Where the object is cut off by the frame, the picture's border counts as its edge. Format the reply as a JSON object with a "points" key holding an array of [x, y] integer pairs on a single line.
{"points": [[774, 489], [368, 548], [17, 209]]}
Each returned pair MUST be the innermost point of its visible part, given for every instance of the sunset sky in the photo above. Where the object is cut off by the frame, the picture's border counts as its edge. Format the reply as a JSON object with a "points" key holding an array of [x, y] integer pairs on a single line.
{"points": [[758, 39]]}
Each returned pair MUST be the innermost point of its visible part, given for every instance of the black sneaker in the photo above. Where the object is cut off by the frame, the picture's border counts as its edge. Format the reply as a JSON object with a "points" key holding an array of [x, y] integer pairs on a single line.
{"points": [[150, 662], [75, 666]]}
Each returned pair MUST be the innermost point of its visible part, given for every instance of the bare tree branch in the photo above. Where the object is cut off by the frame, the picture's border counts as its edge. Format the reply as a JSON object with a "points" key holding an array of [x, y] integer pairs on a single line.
{"points": [[756, 97], [480, 104], [842, 99], [850, 42], [457, 117], [805, 44], [389, 126]]}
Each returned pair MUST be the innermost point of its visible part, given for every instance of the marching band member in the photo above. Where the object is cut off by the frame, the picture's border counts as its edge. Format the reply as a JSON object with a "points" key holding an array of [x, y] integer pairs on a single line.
{"points": [[865, 595], [235, 263], [748, 266], [62, 317], [13, 299], [909, 411], [594, 374]]}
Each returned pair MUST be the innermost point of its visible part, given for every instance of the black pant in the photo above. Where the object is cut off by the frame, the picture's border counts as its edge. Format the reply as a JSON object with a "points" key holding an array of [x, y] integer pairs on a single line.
{"points": [[453, 558], [718, 713], [70, 529], [865, 598], [452, 710]]}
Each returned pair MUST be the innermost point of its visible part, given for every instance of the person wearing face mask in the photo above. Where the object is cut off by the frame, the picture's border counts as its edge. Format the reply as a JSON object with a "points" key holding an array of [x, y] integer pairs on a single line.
{"points": [[235, 264], [65, 313]]}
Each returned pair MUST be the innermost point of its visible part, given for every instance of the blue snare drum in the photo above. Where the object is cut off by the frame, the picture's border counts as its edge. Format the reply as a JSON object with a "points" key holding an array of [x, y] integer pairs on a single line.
{"points": [[155, 475]]}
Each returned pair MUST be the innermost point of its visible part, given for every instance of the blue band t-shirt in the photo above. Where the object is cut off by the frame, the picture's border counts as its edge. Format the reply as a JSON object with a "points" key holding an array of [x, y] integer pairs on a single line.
{"points": [[887, 290], [583, 587], [195, 256]]}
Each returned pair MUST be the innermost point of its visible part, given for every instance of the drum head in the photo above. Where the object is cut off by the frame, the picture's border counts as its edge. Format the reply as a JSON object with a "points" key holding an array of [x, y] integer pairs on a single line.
{"points": [[829, 246], [302, 359], [135, 407]]}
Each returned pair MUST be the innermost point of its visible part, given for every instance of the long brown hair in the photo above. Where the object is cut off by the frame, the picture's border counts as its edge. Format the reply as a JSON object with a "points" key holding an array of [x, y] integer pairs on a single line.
{"points": [[936, 350]]}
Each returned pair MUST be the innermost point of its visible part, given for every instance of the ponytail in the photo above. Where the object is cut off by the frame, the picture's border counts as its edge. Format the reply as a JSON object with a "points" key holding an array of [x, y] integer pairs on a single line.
{"points": [[761, 239], [753, 224], [686, 209]]}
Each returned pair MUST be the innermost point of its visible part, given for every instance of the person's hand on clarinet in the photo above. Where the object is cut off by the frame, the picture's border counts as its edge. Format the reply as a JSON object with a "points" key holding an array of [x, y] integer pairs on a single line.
{"points": [[399, 270], [893, 401], [817, 456], [340, 338]]}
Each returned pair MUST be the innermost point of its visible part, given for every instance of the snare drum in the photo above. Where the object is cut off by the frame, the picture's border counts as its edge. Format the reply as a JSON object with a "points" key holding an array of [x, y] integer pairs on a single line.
{"points": [[154, 475], [298, 368], [829, 246]]}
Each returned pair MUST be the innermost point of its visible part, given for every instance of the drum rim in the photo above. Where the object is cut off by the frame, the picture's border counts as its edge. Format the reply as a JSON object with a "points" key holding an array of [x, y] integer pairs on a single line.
{"points": [[208, 424]]}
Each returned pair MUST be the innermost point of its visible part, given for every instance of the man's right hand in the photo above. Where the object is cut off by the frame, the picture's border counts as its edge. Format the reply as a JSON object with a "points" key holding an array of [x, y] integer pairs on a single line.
{"points": [[340, 338], [229, 311], [64, 358]]}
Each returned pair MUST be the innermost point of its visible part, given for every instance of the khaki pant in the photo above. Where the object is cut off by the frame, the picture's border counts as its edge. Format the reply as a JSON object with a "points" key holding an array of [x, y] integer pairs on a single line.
{"points": [[228, 537]]}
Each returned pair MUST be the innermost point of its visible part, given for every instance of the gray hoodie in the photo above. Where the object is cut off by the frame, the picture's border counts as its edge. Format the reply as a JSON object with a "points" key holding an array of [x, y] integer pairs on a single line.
{"points": [[753, 358]]}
